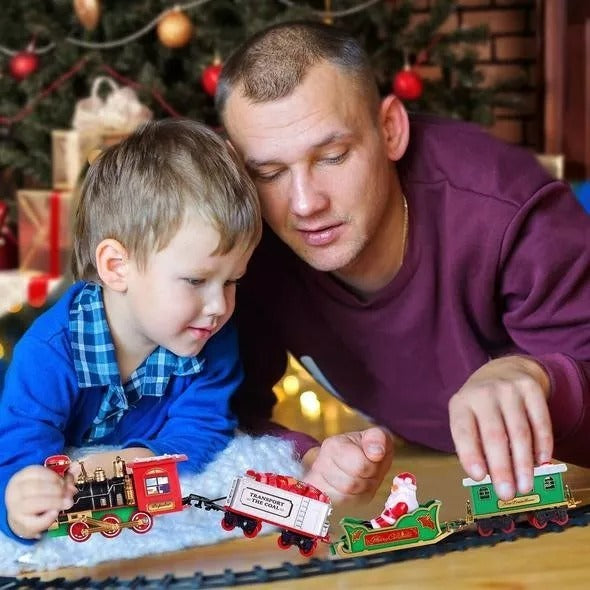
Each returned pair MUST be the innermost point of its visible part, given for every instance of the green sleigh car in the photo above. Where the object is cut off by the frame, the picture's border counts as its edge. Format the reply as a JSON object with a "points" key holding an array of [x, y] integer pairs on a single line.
{"points": [[548, 501], [419, 527]]}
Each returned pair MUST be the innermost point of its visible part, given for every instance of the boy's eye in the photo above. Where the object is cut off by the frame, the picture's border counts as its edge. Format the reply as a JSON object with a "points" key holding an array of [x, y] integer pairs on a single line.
{"points": [[194, 282]]}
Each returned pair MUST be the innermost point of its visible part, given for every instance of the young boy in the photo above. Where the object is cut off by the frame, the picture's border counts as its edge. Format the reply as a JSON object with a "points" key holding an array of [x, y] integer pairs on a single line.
{"points": [[138, 354]]}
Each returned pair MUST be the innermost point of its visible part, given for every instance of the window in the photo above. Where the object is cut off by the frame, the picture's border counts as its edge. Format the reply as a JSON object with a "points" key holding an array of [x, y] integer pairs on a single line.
{"points": [[157, 485], [484, 493]]}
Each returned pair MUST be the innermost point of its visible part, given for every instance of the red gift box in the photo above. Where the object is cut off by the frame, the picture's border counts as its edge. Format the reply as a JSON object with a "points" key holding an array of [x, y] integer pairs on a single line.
{"points": [[44, 234], [8, 241]]}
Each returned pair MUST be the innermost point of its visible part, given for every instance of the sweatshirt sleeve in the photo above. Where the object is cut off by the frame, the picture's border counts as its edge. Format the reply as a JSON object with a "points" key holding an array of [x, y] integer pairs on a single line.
{"points": [[546, 290], [34, 409], [200, 421]]}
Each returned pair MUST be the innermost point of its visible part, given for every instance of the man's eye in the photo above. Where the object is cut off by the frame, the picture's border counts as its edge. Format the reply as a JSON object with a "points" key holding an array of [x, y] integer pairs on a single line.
{"points": [[194, 282], [232, 283], [267, 176], [337, 159]]}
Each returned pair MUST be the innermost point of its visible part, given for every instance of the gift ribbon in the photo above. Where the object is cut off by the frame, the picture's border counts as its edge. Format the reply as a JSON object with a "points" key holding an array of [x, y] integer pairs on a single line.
{"points": [[38, 286], [54, 219]]}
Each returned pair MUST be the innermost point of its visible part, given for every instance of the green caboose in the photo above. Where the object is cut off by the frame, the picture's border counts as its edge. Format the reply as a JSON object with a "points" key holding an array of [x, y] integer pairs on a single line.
{"points": [[549, 500]]}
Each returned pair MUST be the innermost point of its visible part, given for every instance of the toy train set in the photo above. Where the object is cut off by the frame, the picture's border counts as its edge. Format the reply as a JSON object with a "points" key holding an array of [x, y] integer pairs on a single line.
{"points": [[145, 488]]}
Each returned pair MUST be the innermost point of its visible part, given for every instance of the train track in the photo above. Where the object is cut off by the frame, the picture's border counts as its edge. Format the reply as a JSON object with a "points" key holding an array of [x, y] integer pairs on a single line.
{"points": [[314, 567]]}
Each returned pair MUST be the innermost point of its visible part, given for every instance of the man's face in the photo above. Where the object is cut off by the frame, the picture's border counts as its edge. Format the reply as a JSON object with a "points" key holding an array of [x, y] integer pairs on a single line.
{"points": [[319, 161]]}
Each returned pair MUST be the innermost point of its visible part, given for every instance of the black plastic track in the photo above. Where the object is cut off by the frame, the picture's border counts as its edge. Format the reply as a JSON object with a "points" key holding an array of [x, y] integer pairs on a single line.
{"points": [[314, 567]]}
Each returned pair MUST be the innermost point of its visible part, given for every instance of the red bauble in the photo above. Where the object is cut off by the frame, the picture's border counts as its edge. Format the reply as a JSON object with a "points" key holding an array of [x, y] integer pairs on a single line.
{"points": [[407, 84], [23, 64], [210, 77]]}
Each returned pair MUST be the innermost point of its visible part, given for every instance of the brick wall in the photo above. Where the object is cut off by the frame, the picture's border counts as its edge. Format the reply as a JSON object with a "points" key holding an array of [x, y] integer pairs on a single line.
{"points": [[511, 51]]}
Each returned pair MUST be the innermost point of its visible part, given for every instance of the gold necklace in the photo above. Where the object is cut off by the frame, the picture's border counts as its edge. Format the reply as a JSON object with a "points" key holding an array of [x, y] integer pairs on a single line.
{"points": [[404, 232]]}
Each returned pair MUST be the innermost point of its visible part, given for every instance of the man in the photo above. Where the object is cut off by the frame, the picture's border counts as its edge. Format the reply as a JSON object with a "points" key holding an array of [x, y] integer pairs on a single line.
{"points": [[436, 278]]}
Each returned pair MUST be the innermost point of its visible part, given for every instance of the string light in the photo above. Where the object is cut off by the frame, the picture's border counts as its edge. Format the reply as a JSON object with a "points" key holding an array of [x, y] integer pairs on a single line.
{"points": [[81, 63], [326, 15], [291, 385], [310, 405]]}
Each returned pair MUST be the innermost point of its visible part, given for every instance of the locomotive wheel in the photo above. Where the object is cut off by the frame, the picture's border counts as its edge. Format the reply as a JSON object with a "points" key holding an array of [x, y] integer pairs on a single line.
{"points": [[484, 529], [252, 528], [113, 529], [79, 532], [142, 522], [307, 547], [537, 521], [228, 522]]}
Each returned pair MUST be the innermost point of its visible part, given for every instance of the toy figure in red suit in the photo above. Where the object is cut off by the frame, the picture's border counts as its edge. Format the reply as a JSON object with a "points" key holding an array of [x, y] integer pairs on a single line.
{"points": [[402, 500]]}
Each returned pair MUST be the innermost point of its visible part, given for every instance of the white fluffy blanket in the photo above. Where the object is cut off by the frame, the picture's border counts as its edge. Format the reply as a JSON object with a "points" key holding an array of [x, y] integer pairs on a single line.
{"points": [[170, 532]]}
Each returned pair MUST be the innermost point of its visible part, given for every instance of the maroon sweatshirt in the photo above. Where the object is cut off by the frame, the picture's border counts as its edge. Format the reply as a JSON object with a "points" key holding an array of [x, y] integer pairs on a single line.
{"points": [[497, 263]]}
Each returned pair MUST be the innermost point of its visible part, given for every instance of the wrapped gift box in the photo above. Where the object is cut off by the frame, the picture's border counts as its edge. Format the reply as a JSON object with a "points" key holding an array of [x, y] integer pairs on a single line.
{"points": [[98, 122], [44, 230], [71, 150], [69, 155], [19, 288]]}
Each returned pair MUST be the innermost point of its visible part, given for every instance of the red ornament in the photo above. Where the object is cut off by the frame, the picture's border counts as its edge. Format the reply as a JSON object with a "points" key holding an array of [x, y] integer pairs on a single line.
{"points": [[23, 64], [407, 84], [210, 77]]}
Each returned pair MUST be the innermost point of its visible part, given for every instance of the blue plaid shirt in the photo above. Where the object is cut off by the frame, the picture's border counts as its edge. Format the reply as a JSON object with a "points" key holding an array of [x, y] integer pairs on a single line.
{"points": [[96, 364]]}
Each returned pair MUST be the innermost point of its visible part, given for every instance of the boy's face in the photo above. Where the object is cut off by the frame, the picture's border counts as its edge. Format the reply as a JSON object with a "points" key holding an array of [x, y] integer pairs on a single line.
{"points": [[184, 294]]}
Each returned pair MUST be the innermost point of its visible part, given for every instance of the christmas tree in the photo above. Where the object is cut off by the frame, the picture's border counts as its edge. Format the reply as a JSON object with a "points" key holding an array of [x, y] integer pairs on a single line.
{"points": [[53, 49]]}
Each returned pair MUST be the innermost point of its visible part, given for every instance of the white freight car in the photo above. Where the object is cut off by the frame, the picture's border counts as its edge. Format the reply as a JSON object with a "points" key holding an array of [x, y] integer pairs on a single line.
{"points": [[303, 519]]}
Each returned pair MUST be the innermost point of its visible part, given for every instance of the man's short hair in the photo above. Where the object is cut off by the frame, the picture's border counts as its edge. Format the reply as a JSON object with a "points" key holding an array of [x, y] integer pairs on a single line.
{"points": [[140, 191], [273, 62]]}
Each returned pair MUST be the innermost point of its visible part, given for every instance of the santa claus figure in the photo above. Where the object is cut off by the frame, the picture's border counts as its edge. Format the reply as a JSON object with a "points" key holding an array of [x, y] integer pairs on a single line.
{"points": [[402, 500]]}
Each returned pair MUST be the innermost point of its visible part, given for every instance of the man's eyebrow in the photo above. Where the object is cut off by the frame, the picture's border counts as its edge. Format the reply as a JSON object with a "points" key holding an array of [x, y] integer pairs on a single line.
{"points": [[252, 163]]}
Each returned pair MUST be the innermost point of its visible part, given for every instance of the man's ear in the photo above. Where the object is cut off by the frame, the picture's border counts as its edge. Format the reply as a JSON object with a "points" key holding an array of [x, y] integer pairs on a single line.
{"points": [[112, 264], [393, 118]]}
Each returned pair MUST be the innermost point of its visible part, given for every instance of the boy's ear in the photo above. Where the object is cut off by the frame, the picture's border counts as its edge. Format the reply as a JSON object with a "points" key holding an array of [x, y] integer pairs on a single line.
{"points": [[395, 125], [111, 264]]}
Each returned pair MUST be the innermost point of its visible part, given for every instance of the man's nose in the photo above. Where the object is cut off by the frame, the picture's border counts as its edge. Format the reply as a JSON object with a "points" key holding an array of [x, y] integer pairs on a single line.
{"points": [[306, 197]]}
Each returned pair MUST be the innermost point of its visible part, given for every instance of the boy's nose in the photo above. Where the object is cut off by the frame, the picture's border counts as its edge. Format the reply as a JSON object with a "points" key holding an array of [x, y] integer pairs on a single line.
{"points": [[216, 305]]}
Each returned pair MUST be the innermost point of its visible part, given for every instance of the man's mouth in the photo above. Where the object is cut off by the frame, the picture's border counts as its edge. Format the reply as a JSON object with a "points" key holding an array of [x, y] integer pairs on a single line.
{"points": [[322, 235]]}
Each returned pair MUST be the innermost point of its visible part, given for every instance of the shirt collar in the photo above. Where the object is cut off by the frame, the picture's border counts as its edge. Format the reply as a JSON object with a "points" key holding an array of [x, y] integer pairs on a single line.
{"points": [[95, 361]]}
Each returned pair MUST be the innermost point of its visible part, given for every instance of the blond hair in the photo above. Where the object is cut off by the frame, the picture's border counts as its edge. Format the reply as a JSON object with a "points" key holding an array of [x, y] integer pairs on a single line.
{"points": [[273, 63], [139, 193]]}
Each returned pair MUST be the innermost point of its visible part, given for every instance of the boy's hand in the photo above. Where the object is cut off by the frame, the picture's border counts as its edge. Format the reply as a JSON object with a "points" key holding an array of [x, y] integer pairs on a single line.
{"points": [[350, 467], [34, 496], [501, 425]]}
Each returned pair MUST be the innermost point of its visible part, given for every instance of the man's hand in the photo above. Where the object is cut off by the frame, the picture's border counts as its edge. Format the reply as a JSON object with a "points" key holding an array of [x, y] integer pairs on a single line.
{"points": [[501, 425], [350, 467], [34, 496]]}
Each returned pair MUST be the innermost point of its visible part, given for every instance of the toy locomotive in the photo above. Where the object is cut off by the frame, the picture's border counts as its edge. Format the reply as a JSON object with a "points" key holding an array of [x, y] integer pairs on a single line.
{"points": [[148, 487]]}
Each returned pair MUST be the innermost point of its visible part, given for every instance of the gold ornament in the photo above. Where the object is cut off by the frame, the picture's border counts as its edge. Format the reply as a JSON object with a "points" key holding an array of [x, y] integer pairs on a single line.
{"points": [[175, 29], [88, 12], [328, 20]]}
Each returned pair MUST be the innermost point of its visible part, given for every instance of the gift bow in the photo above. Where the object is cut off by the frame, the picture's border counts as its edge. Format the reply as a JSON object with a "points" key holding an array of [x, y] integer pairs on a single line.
{"points": [[119, 111]]}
